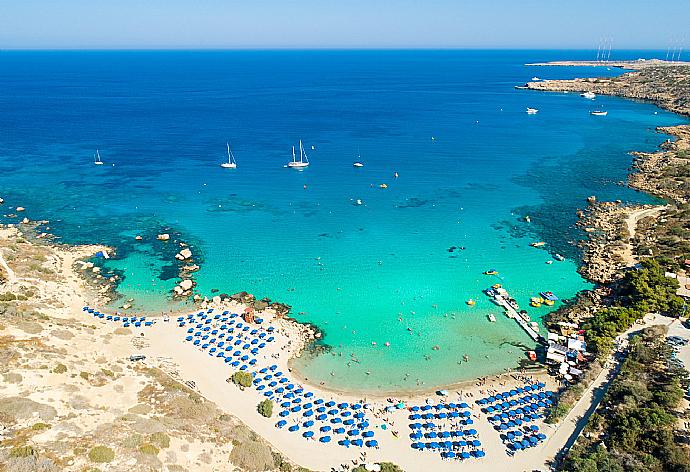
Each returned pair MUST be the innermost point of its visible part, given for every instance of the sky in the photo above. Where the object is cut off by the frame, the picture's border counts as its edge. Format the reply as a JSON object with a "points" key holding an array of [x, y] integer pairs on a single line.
{"points": [[229, 24]]}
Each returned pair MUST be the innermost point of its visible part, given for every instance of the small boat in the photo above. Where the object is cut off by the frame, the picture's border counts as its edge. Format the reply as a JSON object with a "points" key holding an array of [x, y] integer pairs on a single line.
{"points": [[548, 296], [548, 302], [528, 219], [492, 318], [535, 79], [537, 244], [532, 355], [588, 95], [491, 272], [598, 113], [383, 186], [525, 317], [549, 262], [97, 159], [558, 257], [359, 202], [496, 286], [532, 111], [303, 160], [358, 162], [231, 164], [471, 302], [534, 325]]}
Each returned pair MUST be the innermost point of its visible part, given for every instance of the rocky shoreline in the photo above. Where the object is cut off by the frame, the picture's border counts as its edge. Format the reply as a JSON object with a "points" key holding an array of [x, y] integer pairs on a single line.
{"points": [[667, 87]]}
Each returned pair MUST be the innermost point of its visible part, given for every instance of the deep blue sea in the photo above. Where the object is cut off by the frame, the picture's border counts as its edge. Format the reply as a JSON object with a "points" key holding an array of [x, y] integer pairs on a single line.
{"points": [[471, 165]]}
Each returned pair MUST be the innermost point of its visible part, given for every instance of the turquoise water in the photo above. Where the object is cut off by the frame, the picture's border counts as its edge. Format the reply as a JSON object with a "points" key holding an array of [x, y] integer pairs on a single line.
{"points": [[378, 272]]}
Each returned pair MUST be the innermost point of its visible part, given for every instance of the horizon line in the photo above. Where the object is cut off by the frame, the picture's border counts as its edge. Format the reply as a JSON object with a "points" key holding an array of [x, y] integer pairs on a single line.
{"points": [[326, 48]]}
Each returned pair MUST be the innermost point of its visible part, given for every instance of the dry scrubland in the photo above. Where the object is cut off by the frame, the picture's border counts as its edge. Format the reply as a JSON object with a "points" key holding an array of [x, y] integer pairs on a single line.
{"points": [[71, 400]]}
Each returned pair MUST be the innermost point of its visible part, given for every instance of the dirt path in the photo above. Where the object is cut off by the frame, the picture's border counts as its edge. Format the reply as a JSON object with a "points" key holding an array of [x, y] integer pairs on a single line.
{"points": [[631, 225]]}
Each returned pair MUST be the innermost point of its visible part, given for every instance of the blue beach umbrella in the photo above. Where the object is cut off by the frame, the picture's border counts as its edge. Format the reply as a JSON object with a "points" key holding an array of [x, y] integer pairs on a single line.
{"points": [[293, 428], [372, 443], [465, 455], [325, 429], [325, 439]]}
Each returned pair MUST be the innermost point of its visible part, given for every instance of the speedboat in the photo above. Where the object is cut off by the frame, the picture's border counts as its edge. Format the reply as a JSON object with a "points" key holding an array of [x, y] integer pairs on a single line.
{"points": [[589, 95], [535, 79], [532, 111], [537, 244], [357, 164], [491, 272], [558, 257], [492, 318], [598, 113], [471, 302], [548, 296]]}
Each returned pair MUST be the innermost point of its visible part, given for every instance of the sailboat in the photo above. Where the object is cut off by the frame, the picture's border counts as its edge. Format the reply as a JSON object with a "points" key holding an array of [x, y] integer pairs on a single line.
{"points": [[231, 164], [303, 159], [97, 159]]}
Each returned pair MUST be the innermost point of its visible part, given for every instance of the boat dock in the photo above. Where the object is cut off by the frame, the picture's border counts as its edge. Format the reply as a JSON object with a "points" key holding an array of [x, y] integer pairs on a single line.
{"points": [[501, 299]]}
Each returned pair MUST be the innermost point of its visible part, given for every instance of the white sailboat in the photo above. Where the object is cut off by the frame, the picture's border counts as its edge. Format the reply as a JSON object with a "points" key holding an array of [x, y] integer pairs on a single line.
{"points": [[231, 164], [97, 159], [303, 159], [532, 111]]}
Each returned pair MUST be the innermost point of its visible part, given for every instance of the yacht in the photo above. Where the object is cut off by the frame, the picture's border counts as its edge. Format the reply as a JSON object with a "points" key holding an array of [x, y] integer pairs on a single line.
{"points": [[97, 159], [598, 113], [532, 111], [231, 164], [589, 95], [303, 159]]}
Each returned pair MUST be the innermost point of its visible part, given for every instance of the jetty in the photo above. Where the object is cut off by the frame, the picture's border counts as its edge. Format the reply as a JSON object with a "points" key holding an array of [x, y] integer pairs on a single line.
{"points": [[501, 297]]}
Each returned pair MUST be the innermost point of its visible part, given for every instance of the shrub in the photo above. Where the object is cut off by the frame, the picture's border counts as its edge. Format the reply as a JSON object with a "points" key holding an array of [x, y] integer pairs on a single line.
{"points": [[22, 451], [101, 454], [60, 369], [149, 449], [40, 426], [84, 375], [243, 379], [265, 408], [161, 440]]}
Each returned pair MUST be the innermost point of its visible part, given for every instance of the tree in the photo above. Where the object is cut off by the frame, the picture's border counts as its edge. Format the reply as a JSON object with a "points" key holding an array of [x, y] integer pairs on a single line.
{"points": [[265, 408], [242, 379]]}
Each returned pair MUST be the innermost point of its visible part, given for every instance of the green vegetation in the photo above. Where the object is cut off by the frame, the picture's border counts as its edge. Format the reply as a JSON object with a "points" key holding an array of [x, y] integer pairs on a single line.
{"points": [[60, 369], [22, 451], [84, 375], [101, 454], [149, 449], [40, 426], [242, 379], [265, 408], [642, 291], [633, 428], [160, 440], [385, 467]]}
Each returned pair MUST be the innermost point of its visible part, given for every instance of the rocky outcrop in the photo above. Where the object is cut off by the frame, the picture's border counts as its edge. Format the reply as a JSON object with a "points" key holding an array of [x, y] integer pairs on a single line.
{"points": [[668, 87], [163, 237]]}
